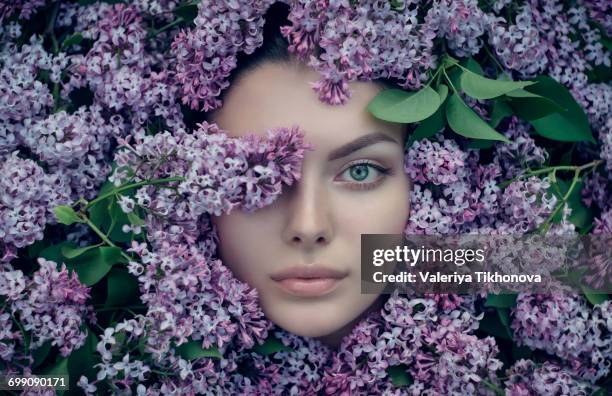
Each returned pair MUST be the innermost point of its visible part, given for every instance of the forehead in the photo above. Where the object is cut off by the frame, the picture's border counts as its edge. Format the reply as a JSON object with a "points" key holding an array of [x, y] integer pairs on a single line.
{"points": [[279, 94]]}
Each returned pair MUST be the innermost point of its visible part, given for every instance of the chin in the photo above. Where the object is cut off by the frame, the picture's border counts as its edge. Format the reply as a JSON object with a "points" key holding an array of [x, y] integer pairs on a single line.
{"points": [[308, 327]]}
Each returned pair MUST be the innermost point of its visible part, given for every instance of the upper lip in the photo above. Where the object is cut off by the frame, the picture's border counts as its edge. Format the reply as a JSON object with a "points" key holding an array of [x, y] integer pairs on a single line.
{"points": [[308, 272]]}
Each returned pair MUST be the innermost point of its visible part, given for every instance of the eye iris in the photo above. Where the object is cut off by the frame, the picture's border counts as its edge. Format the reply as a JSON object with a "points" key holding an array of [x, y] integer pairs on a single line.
{"points": [[359, 172]]}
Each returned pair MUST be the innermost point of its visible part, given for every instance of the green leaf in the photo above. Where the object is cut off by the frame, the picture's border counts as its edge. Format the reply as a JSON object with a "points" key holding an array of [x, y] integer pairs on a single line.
{"points": [[492, 324], [504, 317], [66, 215], [501, 300], [60, 367], [396, 105], [72, 40], [39, 354], [500, 111], [466, 122], [122, 288], [82, 360], [531, 106], [442, 93], [94, 264], [399, 375], [454, 76], [570, 125], [54, 252], [134, 219], [581, 216], [188, 11], [428, 127], [270, 346], [480, 144], [594, 296], [193, 350], [70, 252], [473, 66], [479, 87]]}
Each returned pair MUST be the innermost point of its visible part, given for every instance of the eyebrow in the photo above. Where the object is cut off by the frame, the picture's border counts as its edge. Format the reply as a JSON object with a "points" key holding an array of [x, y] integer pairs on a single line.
{"points": [[359, 143]]}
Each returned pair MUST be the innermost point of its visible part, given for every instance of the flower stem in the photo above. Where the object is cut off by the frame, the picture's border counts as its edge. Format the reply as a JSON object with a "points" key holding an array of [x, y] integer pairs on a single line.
{"points": [[553, 169], [104, 237], [493, 387], [166, 27], [130, 186]]}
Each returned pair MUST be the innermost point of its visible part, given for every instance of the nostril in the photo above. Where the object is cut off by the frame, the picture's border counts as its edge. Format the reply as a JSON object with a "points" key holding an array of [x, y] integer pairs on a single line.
{"points": [[320, 240], [296, 239]]}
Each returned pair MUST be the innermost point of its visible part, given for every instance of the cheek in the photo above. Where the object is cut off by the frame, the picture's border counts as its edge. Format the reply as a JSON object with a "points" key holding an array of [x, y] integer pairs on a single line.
{"points": [[240, 241], [377, 212]]}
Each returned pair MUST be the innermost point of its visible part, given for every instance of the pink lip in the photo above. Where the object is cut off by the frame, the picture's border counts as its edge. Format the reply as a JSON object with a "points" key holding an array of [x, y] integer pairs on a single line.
{"points": [[308, 281]]}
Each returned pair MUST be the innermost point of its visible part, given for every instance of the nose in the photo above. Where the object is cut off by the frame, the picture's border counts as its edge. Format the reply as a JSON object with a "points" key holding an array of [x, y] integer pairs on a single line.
{"points": [[309, 222]]}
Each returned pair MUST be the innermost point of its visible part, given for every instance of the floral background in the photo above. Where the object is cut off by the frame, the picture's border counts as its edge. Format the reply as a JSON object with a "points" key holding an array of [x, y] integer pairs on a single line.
{"points": [[109, 176]]}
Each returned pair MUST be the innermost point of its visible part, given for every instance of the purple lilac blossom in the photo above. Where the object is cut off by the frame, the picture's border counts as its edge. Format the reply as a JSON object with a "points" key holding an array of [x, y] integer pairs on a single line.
{"points": [[528, 378], [564, 326], [221, 173], [23, 8], [27, 197], [522, 153], [206, 54], [51, 304], [188, 291]]}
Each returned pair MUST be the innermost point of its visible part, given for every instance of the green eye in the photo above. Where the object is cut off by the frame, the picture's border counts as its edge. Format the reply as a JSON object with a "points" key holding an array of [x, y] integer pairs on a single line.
{"points": [[359, 172]]}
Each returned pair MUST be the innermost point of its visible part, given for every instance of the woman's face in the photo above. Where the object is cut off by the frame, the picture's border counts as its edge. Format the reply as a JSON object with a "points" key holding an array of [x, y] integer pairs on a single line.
{"points": [[352, 183]]}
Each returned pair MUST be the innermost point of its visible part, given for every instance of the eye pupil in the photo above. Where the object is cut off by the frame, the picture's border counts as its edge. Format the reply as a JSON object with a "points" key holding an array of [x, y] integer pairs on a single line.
{"points": [[359, 172]]}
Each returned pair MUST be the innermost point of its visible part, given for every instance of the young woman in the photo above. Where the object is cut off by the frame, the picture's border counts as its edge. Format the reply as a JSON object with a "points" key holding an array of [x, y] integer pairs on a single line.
{"points": [[302, 253]]}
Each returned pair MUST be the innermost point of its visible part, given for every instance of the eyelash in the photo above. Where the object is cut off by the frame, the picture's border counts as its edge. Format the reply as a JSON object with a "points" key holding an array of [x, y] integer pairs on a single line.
{"points": [[368, 186]]}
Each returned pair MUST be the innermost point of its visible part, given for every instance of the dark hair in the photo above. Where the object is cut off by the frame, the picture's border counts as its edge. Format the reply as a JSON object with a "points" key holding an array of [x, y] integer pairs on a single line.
{"points": [[274, 49]]}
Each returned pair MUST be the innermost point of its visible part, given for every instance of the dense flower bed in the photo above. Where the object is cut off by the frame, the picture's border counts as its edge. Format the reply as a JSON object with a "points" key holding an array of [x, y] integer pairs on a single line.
{"points": [[108, 267]]}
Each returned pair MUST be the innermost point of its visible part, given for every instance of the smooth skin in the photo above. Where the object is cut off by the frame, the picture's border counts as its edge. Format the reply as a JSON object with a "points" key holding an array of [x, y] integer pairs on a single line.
{"points": [[352, 183]]}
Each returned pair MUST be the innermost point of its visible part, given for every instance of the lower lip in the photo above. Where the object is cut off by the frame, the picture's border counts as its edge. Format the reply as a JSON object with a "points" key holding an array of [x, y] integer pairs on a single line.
{"points": [[313, 287]]}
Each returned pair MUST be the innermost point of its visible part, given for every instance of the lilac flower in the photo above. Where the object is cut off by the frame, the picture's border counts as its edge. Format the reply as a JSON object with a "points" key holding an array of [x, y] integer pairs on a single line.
{"points": [[522, 153], [606, 144], [206, 55], [190, 296], [519, 46], [526, 204], [529, 378], [22, 95], [437, 163], [27, 197], [564, 326], [51, 305], [26, 8], [595, 191], [461, 22]]}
